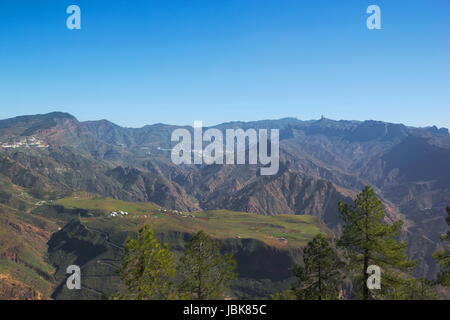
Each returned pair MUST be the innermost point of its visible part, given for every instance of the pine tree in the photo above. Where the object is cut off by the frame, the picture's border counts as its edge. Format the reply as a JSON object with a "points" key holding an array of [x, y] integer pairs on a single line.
{"points": [[369, 240], [147, 268], [289, 294], [443, 258], [205, 273], [320, 275], [414, 289]]}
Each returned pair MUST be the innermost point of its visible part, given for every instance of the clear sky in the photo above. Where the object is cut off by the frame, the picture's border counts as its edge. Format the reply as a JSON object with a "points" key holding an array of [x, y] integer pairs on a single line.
{"points": [[141, 62]]}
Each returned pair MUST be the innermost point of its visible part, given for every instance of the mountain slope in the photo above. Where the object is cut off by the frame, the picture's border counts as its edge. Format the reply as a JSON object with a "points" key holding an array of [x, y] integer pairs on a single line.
{"points": [[321, 162]]}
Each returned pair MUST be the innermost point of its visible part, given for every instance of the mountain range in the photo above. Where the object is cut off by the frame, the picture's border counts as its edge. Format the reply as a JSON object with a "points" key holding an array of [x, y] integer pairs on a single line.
{"points": [[52, 156]]}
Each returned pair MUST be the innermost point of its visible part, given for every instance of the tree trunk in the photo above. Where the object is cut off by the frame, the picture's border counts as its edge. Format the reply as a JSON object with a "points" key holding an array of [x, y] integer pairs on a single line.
{"points": [[365, 275], [320, 283]]}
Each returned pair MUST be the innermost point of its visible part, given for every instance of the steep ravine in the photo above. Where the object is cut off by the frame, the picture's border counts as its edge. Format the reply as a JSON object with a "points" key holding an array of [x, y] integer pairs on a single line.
{"points": [[262, 269]]}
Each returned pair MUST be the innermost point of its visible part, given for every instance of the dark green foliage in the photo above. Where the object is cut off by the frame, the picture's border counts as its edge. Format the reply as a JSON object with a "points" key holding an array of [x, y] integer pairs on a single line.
{"points": [[285, 295], [443, 258], [147, 268], [320, 276], [369, 240], [413, 289], [205, 273]]}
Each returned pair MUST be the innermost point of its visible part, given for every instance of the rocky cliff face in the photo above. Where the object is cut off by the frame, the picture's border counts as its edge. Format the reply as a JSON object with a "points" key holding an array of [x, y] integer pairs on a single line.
{"points": [[24, 271]]}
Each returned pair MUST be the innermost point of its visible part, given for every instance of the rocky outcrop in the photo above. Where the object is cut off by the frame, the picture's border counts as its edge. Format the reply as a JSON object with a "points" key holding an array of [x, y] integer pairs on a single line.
{"points": [[11, 289]]}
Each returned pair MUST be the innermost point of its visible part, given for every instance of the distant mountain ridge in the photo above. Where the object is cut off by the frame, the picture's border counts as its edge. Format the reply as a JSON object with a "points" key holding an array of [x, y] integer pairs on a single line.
{"points": [[321, 162]]}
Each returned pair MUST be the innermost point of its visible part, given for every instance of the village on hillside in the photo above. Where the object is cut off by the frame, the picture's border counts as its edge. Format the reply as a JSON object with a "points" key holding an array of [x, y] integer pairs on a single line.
{"points": [[168, 212], [27, 142]]}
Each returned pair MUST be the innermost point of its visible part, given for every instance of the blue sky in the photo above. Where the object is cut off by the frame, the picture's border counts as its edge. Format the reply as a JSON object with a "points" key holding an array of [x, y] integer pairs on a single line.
{"points": [[142, 62]]}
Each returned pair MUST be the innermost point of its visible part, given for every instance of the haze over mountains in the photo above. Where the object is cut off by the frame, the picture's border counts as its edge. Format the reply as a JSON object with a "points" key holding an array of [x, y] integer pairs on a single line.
{"points": [[321, 162]]}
